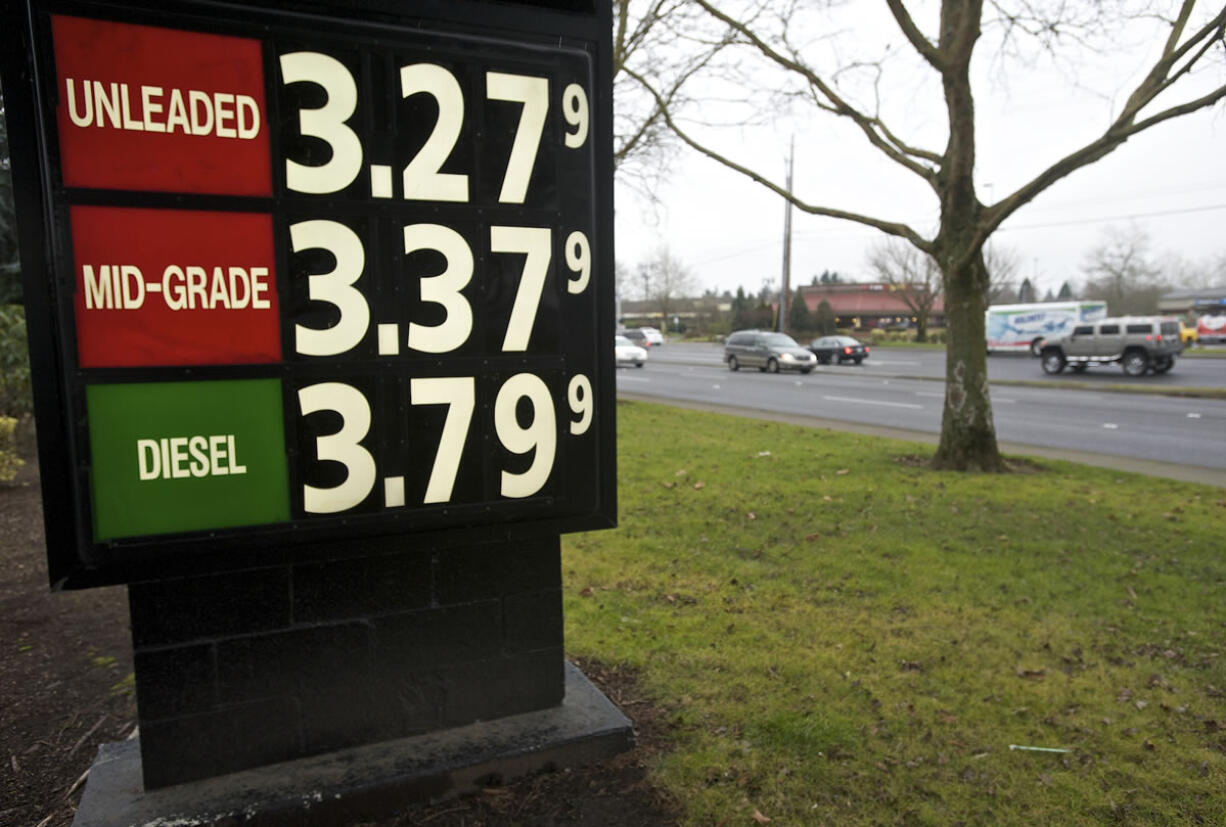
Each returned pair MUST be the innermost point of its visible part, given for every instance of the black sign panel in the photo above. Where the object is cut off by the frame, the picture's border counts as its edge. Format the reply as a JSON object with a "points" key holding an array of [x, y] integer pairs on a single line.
{"points": [[305, 274]]}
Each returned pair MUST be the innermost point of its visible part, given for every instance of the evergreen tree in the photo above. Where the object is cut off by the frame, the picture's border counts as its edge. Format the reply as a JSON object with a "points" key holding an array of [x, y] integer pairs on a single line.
{"points": [[1066, 292], [799, 317], [744, 314], [824, 319], [739, 303]]}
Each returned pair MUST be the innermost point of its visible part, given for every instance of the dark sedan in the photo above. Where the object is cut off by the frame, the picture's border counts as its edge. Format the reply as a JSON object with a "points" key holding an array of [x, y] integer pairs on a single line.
{"points": [[838, 348]]}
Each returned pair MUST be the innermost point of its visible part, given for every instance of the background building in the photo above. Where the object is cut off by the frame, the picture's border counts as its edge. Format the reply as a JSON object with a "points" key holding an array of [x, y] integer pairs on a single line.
{"points": [[1191, 303], [875, 304]]}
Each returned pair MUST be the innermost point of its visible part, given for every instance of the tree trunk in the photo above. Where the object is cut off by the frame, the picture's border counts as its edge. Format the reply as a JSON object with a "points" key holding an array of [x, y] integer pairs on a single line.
{"points": [[968, 434]]}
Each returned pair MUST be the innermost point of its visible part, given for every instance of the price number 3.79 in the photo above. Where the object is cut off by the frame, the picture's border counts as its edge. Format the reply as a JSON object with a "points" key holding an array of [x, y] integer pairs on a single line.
{"points": [[539, 437]]}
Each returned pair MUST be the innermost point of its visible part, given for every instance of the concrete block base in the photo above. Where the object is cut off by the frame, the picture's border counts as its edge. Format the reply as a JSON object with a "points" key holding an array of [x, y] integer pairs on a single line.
{"points": [[366, 782]]}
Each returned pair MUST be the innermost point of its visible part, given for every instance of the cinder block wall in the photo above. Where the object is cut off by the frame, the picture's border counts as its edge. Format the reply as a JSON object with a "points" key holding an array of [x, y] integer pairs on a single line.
{"points": [[238, 670]]}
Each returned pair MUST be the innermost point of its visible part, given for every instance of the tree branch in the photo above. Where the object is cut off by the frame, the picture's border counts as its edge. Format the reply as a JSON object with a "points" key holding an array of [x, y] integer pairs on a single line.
{"points": [[924, 154], [889, 227], [915, 37], [1107, 143], [896, 152], [1158, 80]]}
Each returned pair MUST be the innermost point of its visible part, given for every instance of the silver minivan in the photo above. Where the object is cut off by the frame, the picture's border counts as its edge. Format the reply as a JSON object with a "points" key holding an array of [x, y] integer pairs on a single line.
{"points": [[766, 350]]}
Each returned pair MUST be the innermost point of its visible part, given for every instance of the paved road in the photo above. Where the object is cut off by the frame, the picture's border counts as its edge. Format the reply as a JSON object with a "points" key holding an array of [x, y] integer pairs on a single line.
{"points": [[1142, 432], [931, 364]]}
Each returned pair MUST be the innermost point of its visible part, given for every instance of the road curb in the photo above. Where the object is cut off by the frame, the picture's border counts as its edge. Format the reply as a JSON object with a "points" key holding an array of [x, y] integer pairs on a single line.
{"points": [[1179, 391], [1151, 468]]}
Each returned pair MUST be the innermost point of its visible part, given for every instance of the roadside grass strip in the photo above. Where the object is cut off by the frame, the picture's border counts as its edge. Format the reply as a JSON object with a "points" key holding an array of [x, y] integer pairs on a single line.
{"points": [[836, 635], [1184, 391]]}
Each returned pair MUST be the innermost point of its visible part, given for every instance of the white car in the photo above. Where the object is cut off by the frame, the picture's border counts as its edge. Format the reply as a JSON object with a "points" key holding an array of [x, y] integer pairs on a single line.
{"points": [[654, 337], [628, 353]]}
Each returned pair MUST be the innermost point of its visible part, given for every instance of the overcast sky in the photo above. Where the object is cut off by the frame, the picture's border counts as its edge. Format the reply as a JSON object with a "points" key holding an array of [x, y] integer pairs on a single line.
{"points": [[1169, 182]]}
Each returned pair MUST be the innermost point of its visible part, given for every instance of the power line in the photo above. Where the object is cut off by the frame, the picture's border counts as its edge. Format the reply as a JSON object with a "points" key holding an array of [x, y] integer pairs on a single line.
{"points": [[1155, 214], [825, 235]]}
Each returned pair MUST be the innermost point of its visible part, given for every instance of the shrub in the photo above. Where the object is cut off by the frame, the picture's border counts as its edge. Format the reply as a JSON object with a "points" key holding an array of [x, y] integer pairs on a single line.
{"points": [[15, 398], [823, 318], [10, 463]]}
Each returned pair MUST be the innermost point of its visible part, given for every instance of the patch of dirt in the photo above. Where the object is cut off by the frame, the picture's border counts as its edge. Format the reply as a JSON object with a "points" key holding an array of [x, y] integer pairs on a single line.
{"points": [[1013, 465], [65, 667], [66, 688], [613, 794], [1025, 465]]}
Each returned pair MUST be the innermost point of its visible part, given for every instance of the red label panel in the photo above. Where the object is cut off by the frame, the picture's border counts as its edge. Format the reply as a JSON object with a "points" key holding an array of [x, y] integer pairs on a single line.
{"points": [[146, 108], [174, 287]]}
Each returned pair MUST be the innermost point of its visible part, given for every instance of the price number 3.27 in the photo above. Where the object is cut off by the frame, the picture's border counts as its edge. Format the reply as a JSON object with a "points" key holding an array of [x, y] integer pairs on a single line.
{"points": [[422, 178]]}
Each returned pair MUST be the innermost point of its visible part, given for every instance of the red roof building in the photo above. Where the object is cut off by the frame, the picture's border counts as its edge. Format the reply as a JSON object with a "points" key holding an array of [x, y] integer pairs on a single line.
{"points": [[875, 304]]}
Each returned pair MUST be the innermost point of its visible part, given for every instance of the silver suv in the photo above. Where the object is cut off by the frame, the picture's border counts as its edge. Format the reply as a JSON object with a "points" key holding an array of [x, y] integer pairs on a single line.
{"points": [[768, 351], [1138, 343]]}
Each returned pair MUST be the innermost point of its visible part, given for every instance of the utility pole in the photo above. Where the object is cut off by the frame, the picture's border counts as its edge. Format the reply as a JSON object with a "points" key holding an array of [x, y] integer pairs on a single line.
{"points": [[786, 292]]}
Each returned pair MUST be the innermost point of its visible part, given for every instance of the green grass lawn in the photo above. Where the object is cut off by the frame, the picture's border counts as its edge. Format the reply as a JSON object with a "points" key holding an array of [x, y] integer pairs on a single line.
{"points": [[837, 635]]}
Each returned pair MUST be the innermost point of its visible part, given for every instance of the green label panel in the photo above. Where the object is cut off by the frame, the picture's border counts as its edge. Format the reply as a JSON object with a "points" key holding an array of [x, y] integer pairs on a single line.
{"points": [[186, 456]]}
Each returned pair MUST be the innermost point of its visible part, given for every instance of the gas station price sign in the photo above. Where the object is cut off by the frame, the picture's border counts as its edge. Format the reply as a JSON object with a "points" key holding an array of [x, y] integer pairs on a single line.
{"points": [[313, 277]]}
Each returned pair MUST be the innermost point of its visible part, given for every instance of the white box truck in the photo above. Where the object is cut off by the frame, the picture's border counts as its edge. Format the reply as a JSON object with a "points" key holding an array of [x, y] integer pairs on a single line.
{"points": [[1211, 329], [1021, 328]]}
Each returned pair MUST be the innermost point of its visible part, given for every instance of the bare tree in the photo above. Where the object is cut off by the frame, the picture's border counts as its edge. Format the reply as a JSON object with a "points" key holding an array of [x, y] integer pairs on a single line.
{"points": [[665, 281], [917, 276], [1181, 272], [1002, 264], [653, 43], [913, 275], [1187, 39], [623, 281], [1119, 271]]}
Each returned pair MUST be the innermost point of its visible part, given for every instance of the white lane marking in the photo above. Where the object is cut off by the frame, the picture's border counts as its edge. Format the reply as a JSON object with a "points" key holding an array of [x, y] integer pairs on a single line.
{"points": [[873, 402], [715, 387], [1193, 416], [995, 399], [880, 363], [1111, 426], [622, 378]]}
